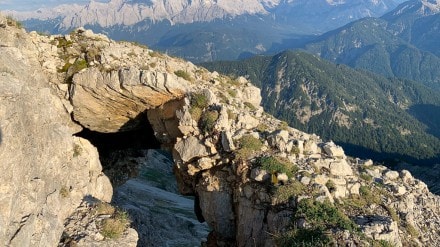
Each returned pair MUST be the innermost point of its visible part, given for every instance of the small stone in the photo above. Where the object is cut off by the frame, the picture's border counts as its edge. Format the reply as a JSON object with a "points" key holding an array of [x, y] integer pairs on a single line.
{"points": [[340, 168], [282, 178], [399, 190], [391, 175], [305, 180], [333, 150], [366, 163], [406, 176], [354, 189], [321, 179], [259, 175]]}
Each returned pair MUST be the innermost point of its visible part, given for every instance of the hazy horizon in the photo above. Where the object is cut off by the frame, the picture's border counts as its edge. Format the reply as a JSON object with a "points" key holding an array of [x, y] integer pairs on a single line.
{"points": [[25, 5]]}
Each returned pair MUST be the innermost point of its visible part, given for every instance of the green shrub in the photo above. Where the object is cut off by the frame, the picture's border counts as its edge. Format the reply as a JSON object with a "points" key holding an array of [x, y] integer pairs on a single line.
{"points": [[366, 177], [113, 227], [250, 106], [315, 237], [369, 196], [262, 127], [77, 150], [331, 186], [393, 214], [207, 121], [183, 74], [63, 43], [411, 230], [104, 209], [155, 54], [199, 100], [10, 21], [323, 214], [64, 191], [231, 115], [232, 92], [196, 113], [198, 103], [273, 164], [284, 125], [248, 145], [295, 150], [283, 194], [383, 243]]}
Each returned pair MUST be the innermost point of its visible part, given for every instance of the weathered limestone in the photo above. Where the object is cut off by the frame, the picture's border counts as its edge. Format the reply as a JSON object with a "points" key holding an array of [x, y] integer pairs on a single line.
{"points": [[190, 148], [381, 228], [127, 94], [45, 171], [340, 168], [333, 150]]}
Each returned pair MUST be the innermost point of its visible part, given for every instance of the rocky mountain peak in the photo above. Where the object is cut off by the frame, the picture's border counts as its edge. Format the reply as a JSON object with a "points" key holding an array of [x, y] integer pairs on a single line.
{"points": [[253, 176]]}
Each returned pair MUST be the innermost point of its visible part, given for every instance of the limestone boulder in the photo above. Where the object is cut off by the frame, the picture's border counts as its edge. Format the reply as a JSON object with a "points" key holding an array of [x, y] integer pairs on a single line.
{"points": [[111, 101], [340, 168], [279, 139], [333, 150], [189, 148], [45, 171], [252, 94], [259, 175], [380, 228], [216, 203]]}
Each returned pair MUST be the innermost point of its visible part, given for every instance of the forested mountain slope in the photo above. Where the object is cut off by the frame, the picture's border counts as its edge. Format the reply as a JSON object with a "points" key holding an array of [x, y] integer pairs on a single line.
{"points": [[368, 114]]}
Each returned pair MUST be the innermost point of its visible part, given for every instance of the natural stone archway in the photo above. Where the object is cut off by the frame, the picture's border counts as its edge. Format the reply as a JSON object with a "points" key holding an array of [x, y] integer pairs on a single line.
{"points": [[116, 149], [112, 101]]}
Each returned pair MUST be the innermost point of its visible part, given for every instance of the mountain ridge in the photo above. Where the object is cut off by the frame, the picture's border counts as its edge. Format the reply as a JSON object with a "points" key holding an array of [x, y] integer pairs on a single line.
{"points": [[139, 20]]}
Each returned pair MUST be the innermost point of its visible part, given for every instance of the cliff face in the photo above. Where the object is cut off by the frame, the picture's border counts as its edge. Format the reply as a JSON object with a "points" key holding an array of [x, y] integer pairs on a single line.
{"points": [[257, 182], [46, 172]]}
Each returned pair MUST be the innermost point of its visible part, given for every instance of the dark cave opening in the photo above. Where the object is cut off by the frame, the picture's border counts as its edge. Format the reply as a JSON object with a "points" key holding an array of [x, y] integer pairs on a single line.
{"points": [[141, 173], [118, 151]]}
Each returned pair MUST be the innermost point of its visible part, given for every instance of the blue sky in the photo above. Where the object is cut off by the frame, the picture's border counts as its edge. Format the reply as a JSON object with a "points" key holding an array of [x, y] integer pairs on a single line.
{"points": [[34, 4]]}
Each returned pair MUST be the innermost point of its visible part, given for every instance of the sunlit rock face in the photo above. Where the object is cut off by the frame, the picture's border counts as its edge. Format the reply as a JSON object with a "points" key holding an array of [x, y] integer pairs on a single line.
{"points": [[252, 176]]}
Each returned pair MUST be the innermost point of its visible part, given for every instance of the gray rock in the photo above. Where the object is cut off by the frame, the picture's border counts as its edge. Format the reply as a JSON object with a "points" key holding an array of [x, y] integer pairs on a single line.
{"points": [[333, 150], [340, 168], [259, 175], [46, 172], [189, 148], [391, 175], [380, 228], [227, 141]]}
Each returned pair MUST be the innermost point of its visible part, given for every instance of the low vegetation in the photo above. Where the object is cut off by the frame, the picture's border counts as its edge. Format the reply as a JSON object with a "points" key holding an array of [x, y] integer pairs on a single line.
{"points": [[207, 121], [322, 217], [331, 186], [64, 191], [114, 227], [183, 74], [10, 21], [198, 103], [277, 165], [248, 145], [283, 194]]}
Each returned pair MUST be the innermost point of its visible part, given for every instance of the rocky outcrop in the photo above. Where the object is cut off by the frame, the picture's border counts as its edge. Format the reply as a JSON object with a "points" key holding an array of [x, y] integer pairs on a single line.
{"points": [[46, 172], [256, 181]]}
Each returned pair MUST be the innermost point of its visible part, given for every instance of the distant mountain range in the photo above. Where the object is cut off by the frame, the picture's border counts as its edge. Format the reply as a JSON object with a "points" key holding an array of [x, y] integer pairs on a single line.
{"points": [[368, 114], [403, 43], [206, 30]]}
